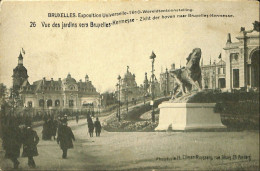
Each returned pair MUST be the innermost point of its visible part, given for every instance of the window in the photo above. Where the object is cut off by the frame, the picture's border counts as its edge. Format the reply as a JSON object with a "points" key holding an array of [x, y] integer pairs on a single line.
{"points": [[222, 83], [57, 103], [234, 57], [206, 82], [71, 103], [49, 103], [41, 102], [218, 70], [236, 78], [71, 87], [29, 104]]}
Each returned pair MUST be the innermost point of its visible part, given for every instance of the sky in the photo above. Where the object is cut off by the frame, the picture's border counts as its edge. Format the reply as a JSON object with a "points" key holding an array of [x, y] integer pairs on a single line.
{"points": [[105, 53]]}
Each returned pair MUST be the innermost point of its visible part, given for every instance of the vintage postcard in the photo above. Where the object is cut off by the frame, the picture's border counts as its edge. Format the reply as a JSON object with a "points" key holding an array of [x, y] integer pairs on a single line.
{"points": [[129, 85]]}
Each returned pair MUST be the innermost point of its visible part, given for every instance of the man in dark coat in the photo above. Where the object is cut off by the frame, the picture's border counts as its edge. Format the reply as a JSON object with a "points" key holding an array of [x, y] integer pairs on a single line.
{"points": [[90, 126], [30, 141], [54, 128], [12, 141], [65, 137], [77, 117], [46, 130], [97, 127]]}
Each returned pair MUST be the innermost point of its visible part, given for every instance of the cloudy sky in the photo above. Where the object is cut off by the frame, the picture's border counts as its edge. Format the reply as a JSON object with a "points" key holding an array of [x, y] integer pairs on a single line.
{"points": [[104, 53]]}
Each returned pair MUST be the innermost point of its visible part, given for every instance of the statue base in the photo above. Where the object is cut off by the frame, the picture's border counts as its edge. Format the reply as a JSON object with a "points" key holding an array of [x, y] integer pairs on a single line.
{"points": [[188, 116]]}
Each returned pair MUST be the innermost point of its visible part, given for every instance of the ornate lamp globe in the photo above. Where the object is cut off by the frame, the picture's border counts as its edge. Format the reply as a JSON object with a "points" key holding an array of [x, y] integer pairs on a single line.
{"points": [[152, 55]]}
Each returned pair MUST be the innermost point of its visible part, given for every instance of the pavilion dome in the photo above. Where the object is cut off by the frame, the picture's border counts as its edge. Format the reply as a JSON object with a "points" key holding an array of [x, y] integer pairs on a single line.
{"points": [[69, 80]]}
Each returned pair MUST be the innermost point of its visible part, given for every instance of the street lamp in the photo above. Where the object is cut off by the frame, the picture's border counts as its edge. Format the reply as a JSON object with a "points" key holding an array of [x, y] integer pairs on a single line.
{"points": [[43, 102], [100, 103], [145, 85], [166, 82], [153, 56], [126, 98], [144, 92], [116, 98], [119, 80]]}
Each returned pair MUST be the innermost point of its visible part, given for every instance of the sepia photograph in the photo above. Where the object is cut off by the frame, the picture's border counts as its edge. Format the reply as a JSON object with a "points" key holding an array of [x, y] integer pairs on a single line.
{"points": [[129, 85]]}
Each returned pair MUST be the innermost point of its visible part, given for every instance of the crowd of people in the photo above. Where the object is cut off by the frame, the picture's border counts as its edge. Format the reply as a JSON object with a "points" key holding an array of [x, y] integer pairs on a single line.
{"points": [[13, 137], [16, 135], [50, 127]]}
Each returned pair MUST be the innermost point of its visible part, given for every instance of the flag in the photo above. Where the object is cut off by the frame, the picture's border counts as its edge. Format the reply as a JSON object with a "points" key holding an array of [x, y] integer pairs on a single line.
{"points": [[23, 51], [219, 57]]}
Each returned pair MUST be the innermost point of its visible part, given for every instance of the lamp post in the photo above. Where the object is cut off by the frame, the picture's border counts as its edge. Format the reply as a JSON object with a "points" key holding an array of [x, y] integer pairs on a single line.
{"points": [[116, 98], [119, 80], [126, 98], [166, 82], [144, 91], [100, 103], [43, 102], [153, 56], [146, 85]]}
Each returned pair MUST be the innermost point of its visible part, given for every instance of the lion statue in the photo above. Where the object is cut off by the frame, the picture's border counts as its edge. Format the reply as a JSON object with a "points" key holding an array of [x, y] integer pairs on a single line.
{"points": [[189, 77]]}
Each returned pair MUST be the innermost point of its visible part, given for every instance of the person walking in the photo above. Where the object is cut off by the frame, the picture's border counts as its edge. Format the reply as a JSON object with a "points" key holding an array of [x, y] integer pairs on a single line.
{"points": [[54, 127], [77, 118], [65, 118], [12, 141], [90, 125], [65, 137], [30, 140], [97, 127], [46, 131]]}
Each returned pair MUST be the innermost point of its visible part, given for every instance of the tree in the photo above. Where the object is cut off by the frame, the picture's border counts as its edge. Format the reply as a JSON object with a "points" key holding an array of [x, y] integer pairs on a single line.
{"points": [[3, 91], [4, 106]]}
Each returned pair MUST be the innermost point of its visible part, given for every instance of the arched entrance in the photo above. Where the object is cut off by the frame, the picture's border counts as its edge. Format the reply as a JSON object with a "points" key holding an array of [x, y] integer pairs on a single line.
{"points": [[255, 68]]}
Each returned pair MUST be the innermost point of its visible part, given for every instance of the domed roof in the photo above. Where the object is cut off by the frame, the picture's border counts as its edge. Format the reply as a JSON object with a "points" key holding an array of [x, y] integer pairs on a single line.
{"points": [[69, 79]]}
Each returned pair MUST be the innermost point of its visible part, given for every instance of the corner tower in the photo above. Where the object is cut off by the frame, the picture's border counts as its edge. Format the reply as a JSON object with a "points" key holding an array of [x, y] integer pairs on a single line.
{"points": [[19, 75]]}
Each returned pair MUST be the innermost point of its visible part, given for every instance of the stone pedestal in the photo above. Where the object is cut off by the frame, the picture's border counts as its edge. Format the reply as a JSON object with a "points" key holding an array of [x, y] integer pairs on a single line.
{"points": [[186, 116]]}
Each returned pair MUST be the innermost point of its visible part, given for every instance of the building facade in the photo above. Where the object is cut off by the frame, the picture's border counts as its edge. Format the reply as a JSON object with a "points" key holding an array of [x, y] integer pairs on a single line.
{"points": [[214, 75], [243, 60], [55, 94], [129, 91], [167, 82]]}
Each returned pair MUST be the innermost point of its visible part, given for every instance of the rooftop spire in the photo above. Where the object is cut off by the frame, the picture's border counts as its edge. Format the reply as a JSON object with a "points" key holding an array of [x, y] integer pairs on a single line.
{"points": [[20, 59], [229, 38], [86, 78]]}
